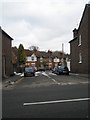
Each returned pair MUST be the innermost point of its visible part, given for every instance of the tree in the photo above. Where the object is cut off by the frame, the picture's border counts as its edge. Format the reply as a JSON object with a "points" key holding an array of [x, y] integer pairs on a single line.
{"points": [[34, 48], [21, 55]]}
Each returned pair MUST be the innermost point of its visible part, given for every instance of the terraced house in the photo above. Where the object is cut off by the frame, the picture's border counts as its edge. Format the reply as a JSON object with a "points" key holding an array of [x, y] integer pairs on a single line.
{"points": [[48, 60], [80, 44]]}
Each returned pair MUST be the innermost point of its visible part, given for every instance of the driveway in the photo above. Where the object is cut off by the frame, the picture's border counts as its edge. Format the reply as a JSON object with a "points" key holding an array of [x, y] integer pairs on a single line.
{"points": [[44, 79]]}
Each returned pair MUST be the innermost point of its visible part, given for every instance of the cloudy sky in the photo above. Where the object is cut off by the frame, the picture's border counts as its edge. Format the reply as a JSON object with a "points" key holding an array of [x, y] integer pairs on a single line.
{"points": [[43, 23]]}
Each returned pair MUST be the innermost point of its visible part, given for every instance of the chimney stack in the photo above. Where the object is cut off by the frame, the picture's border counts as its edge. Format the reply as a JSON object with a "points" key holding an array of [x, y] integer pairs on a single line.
{"points": [[75, 32]]}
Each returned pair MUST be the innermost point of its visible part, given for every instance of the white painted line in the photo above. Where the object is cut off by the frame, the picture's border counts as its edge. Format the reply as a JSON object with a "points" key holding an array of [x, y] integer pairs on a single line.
{"points": [[52, 73], [45, 74], [49, 77], [58, 101], [84, 82], [55, 81], [72, 83]]}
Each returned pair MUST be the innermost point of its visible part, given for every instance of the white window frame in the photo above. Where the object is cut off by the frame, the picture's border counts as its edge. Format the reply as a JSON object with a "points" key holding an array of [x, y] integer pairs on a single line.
{"points": [[32, 58], [80, 40], [80, 57], [27, 64], [41, 59]]}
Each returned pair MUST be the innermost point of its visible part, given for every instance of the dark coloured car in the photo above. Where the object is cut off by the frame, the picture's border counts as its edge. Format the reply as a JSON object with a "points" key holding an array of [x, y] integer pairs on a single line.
{"points": [[29, 72], [55, 70], [61, 70]]}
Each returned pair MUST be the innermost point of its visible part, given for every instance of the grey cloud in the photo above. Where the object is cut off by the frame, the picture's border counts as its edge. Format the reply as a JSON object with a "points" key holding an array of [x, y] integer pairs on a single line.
{"points": [[42, 23]]}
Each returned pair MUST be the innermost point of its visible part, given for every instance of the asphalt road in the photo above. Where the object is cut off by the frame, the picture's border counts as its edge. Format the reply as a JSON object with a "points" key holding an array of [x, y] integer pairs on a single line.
{"points": [[46, 96]]}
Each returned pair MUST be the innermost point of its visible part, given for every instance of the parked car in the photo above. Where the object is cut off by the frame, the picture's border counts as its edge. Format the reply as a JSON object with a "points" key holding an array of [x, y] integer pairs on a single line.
{"points": [[29, 72], [61, 70]]}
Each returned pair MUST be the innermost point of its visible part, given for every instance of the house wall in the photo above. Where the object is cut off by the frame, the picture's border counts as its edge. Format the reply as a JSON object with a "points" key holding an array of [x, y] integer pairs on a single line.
{"points": [[89, 39], [74, 56], [0, 55], [83, 30], [83, 48], [6, 55]]}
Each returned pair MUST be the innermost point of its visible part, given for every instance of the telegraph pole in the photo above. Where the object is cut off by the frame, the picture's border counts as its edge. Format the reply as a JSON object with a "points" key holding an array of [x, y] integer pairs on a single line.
{"points": [[62, 50], [62, 60]]}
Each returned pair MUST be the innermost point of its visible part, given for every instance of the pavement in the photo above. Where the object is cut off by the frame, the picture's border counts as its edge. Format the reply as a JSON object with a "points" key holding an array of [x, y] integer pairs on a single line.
{"points": [[80, 75], [11, 80]]}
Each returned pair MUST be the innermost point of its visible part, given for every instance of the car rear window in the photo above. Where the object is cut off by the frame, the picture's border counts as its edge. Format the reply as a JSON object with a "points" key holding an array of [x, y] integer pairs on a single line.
{"points": [[28, 69]]}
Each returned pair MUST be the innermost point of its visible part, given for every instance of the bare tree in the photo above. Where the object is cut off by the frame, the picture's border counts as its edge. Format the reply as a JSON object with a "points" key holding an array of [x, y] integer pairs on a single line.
{"points": [[34, 48]]}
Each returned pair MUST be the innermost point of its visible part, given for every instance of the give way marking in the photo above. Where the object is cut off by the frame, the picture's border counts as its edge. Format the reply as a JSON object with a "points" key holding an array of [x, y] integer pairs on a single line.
{"points": [[57, 101]]}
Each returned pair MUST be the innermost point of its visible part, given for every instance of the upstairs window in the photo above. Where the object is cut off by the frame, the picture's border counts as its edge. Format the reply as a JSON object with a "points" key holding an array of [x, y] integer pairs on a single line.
{"points": [[80, 58], [32, 58], [41, 59], [79, 40]]}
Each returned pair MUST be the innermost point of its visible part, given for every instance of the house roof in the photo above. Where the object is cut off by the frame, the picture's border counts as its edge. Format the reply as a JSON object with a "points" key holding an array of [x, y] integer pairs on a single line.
{"points": [[44, 54], [57, 54], [37, 53], [86, 6], [28, 52], [3, 32], [72, 40]]}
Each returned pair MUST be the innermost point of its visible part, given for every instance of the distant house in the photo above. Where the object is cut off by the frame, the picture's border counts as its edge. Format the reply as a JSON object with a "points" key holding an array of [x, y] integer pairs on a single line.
{"points": [[7, 68], [35, 58], [31, 60], [57, 56], [80, 44], [44, 59]]}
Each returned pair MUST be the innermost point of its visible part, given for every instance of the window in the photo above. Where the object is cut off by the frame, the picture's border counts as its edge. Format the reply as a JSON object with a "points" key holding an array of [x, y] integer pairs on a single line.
{"points": [[80, 58], [27, 64], [79, 40], [32, 58], [28, 58], [41, 59]]}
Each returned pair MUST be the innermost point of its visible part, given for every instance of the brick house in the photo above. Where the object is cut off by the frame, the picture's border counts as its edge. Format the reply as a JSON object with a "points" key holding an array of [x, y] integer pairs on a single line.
{"points": [[35, 58], [7, 68], [31, 58], [44, 59], [80, 44], [57, 56]]}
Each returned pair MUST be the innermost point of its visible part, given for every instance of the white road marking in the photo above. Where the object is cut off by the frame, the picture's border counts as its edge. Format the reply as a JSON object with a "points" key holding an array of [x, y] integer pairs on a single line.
{"points": [[57, 101], [61, 83], [55, 81], [84, 82], [0, 85], [50, 77], [43, 73], [52, 73]]}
